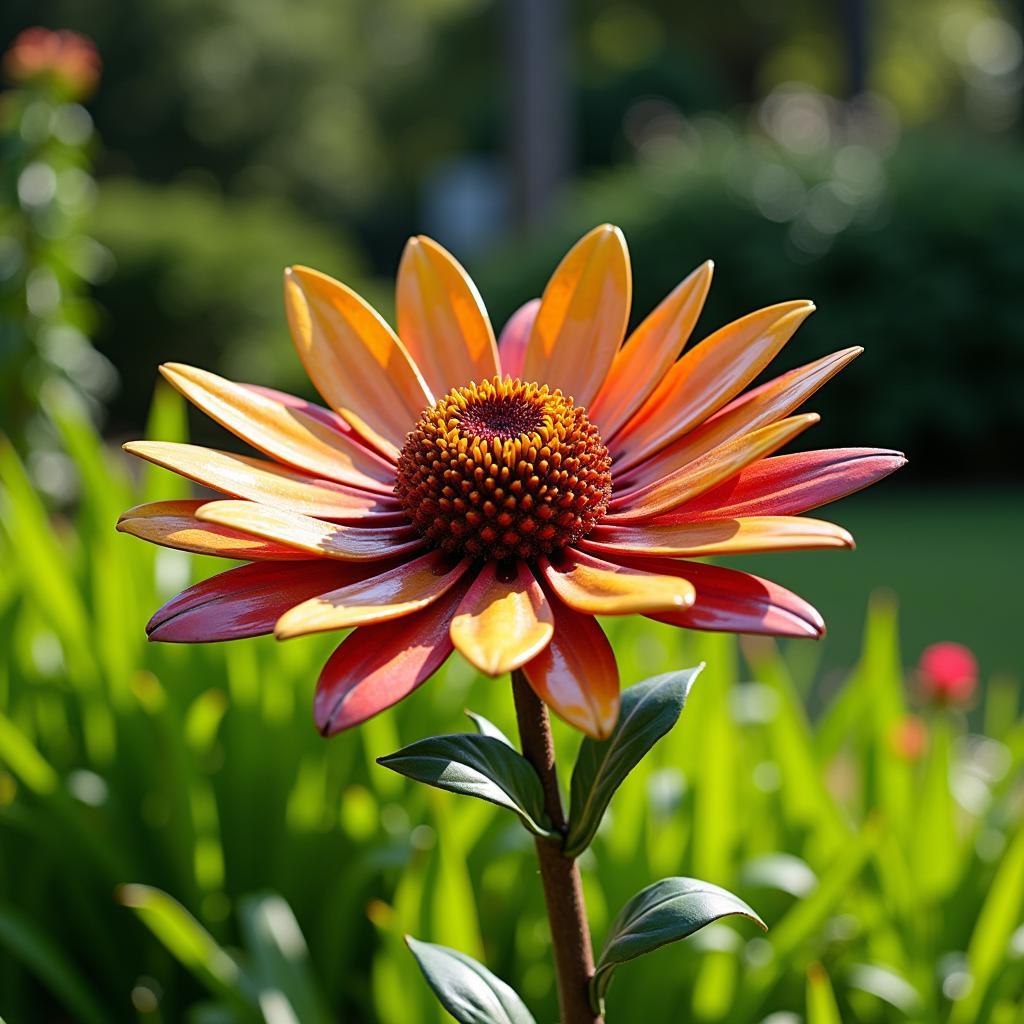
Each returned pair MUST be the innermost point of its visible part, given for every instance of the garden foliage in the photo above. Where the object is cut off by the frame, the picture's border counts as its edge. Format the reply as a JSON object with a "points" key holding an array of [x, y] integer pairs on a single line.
{"points": [[176, 837]]}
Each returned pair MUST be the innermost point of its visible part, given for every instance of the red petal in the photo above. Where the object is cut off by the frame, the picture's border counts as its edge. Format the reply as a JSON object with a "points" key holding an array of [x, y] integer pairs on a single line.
{"points": [[790, 484], [376, 666], [247, 601]]}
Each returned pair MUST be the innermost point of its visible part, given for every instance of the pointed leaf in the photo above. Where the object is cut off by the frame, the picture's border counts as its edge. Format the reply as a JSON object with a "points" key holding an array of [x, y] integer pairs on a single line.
{"points": [[487, 728], [475, 765], [821, 1001], [649, 710], [664, 912], [466, 989]]}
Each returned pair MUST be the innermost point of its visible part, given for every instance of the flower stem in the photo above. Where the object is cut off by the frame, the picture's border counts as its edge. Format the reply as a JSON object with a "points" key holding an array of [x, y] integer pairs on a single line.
{"points": [[560, 875]]}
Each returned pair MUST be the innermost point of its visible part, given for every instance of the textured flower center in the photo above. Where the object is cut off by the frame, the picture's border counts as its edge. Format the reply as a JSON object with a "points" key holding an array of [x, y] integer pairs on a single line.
{"points": [[504, 469]]}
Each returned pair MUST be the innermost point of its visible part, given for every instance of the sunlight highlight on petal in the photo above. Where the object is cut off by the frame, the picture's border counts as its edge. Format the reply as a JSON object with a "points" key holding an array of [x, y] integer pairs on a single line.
{"points": [[295, 434], [399, 591], [354, 358], [268, 482], [313, 536], [582, 317], [175, 524], [596, 587]]}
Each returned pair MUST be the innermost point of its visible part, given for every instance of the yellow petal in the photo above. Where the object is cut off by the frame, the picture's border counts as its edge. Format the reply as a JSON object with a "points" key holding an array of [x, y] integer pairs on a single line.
{"points": [[269, 483], [441, 319], [354, 359], [723, 537], [400, 591], [755, 409], [503, 621], [649, 352], [303, 533], [576, 675], [706, 378], [173, 524], [702, 474], [595, 587], [287, 433], [583, 316]]}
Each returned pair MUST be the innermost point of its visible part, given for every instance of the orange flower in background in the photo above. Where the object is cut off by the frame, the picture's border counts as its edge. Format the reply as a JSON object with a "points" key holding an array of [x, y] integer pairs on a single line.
{"points": [[495, 497], [68, 58]]}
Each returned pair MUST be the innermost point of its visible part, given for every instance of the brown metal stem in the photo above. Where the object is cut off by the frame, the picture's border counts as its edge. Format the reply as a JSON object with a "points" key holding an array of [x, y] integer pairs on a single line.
{"points": [[560, 875]]}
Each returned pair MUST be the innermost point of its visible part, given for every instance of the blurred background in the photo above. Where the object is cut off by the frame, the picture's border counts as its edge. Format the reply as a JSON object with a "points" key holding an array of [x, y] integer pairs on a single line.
{"points": [[161, 168]]}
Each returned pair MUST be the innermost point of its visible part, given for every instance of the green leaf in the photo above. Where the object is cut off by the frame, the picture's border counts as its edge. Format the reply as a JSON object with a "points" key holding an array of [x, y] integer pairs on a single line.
{"points": [[479, 766], [821, 1001], [189, 942], [487, 728], [1000, 915], [466, 989], [280, 958], [649, 710], [664, 912], [25, 941]]}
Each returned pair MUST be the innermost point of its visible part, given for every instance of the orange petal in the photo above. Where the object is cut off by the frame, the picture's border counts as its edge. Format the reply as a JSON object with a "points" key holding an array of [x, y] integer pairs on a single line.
{"points": [[576, 675], [376, 666], [582, 317], [503, 620], [595, 587], [292, 434], [441, 318], [354, 358], [173, 524], [757, 408], [267, 482], [406, 588], [248, 600], [706, 378], [649, 352], [514, 338], [708, 471], [726, 536], [303, 533]]}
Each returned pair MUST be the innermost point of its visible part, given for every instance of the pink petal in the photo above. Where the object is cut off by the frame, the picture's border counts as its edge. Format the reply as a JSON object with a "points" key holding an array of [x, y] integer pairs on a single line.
{"points": [[790, 484], [514, 337]]}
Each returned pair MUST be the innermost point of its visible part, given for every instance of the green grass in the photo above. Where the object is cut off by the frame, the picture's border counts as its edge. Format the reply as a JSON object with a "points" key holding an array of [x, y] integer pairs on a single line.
{"points": [[948, 555]]}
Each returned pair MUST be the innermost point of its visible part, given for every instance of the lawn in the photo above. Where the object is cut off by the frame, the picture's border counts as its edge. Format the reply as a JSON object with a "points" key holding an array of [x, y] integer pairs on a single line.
{"points": [[947, 554]]}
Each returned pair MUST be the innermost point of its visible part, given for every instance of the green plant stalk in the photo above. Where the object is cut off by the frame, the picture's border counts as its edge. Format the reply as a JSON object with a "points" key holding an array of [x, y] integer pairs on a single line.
{"points": [[560, 875]]}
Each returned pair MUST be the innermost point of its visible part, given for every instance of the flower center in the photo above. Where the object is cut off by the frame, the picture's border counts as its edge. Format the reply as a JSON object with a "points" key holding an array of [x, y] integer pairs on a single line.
{"points": [[504, 469]]}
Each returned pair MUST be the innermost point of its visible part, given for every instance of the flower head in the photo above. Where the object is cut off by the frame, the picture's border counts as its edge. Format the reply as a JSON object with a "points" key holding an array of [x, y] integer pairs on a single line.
{"points": [[948, 673], [494, 497]]}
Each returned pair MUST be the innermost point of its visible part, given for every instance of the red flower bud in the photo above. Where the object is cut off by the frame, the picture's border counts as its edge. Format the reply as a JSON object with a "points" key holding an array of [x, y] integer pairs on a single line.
{"points": [[948, 673]]}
